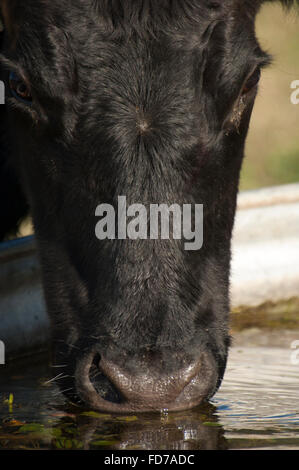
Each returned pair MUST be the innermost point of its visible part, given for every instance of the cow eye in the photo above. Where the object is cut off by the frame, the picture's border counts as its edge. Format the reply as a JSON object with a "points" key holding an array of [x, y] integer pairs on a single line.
{"points": [[252, 81], [19, 88]]}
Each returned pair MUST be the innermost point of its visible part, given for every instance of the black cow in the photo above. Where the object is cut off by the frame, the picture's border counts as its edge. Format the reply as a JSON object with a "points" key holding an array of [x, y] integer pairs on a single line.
{"points": [[148, 99]]}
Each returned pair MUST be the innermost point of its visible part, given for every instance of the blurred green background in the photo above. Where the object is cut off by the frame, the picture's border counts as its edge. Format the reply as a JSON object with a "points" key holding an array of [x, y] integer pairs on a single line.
{"points": [[272, 150]]}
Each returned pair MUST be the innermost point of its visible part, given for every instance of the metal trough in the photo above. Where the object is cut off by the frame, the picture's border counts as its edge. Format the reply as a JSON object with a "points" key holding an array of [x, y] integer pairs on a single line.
{"points": [[265, 262], [265, 266], [24, 325]]}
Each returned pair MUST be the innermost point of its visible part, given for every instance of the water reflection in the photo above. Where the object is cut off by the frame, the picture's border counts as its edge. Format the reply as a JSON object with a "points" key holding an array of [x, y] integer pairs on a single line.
{"points": [[40, 418], [150, 432], [256, 407]]}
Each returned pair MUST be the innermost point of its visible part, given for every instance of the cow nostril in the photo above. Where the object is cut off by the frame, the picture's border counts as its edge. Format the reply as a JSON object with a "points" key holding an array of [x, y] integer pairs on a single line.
{"points": [[102, 384], [107, 386]]}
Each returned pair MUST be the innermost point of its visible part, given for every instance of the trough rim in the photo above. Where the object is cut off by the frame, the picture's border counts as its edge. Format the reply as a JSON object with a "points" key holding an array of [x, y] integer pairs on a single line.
{"points": [[268, 196], [249, 199]]}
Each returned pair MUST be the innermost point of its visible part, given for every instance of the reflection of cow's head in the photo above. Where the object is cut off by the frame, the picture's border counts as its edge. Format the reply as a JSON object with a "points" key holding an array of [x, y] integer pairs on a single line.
{"points": [[150, 99]]}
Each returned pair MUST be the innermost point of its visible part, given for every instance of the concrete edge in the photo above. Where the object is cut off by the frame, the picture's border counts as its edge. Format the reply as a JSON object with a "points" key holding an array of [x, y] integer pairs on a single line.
{"points": [[270, 196]]}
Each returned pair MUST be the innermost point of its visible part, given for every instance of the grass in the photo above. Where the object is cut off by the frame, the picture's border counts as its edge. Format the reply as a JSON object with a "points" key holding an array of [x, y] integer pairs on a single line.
{"points": [[272, 151], [272, 316]]}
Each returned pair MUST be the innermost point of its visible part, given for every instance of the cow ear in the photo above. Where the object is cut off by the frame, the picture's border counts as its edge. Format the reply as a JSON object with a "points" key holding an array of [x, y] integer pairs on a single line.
{"points": [[1, 17], [7, 16]]}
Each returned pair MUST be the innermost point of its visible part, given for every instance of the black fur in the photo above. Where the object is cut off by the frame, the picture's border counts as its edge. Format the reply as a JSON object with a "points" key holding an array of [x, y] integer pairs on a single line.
{"points": [[143, 99]]}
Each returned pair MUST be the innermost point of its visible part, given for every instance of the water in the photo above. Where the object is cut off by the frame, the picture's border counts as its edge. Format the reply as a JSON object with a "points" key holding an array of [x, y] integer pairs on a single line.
{"points": [[257, 407]]}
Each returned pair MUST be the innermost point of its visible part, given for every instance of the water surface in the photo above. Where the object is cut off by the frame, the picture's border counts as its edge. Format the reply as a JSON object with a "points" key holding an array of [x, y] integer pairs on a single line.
{"points": [[257, 407]]}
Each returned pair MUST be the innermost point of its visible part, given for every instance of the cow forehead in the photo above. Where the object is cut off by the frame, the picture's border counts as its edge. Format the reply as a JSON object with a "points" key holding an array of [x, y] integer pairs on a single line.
{"points": [[121, 15], [64, 41], [142, 13]]}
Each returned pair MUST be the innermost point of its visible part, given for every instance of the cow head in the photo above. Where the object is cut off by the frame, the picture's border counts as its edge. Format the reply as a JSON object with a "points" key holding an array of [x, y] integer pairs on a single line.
{"points": [[149, 101]]}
